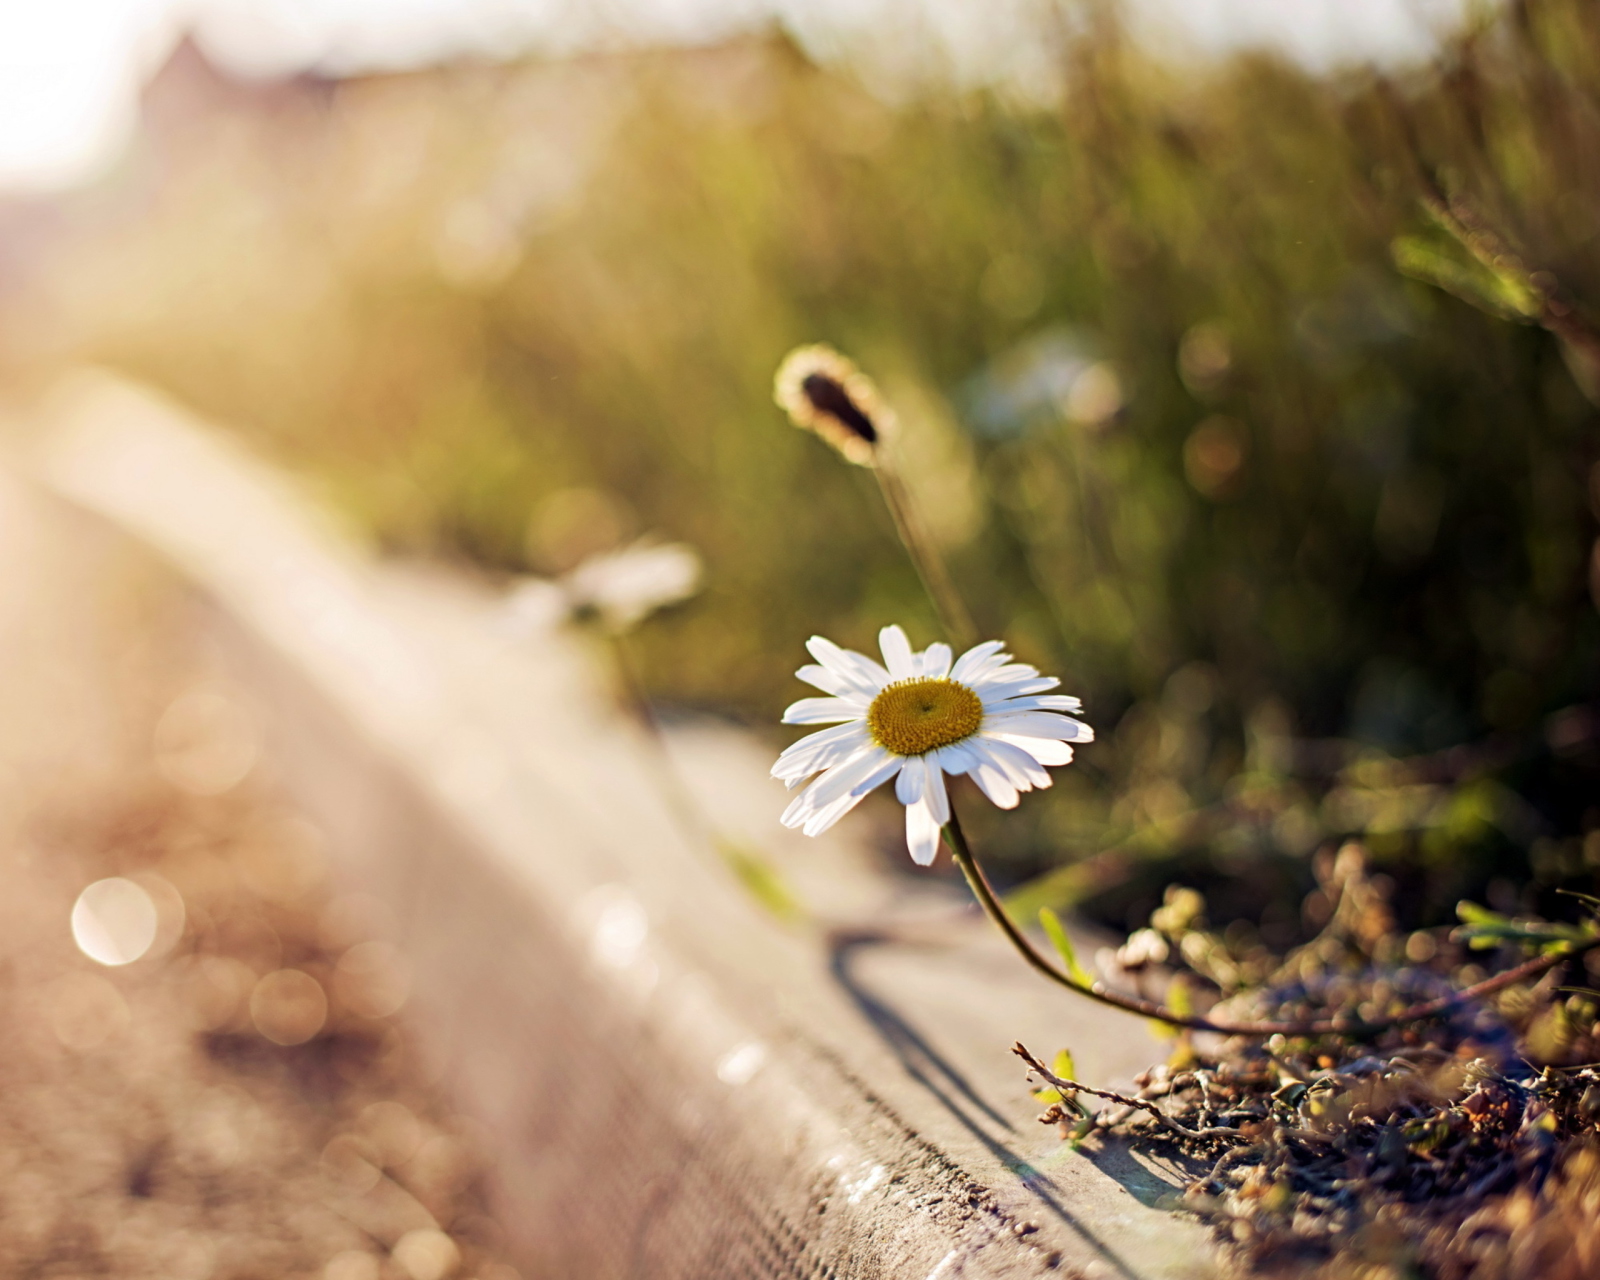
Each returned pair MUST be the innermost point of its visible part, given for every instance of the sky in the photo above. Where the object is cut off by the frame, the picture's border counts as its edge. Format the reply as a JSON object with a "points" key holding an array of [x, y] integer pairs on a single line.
{"points": [[70, 70]]}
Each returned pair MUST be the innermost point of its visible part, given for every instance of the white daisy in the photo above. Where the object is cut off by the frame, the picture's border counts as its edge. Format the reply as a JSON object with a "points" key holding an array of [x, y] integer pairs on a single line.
{"points": [[916, 719], [619, 589]]}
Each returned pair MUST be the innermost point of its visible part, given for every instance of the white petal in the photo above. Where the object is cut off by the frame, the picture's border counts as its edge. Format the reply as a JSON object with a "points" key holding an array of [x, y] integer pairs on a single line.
{"points": [[897, 653], [1043, 702], [809, 801], [980, 658], [825, 710], [989, 776], [837, 781], [922, 834], [798, 809], [830, 813], [1037, 724], [1006, 672], [957, 758], [828, 681], [862, 672], [912, 782], [820, 821], [848, 776], [934, 661], [821, 750], [890, 766], [933, 795], [791, 816], [1044, 750], [804, 809], [994, 694], [624, 586], [1021, 769], [534, 606]]}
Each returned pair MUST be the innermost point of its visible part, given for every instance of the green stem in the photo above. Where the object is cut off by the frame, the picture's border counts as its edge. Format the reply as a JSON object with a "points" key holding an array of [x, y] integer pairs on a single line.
{"points": [[697, 826], [990, 902], [925, 556], [685, 809]]}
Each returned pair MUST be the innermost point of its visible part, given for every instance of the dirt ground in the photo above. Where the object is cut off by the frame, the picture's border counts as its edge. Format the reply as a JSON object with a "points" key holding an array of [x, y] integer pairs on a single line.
{"points": [[240, 1097], [244, 1100]]}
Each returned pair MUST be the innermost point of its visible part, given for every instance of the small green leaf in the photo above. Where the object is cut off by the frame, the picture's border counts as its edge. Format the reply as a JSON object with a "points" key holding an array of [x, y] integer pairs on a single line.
{"points": [[1591, 922], [1063, 945], [1062, 1068], [762, 881], [1447, 263], [1472, 913], [1482, 929], [1179, 999], [1425, 1135]]}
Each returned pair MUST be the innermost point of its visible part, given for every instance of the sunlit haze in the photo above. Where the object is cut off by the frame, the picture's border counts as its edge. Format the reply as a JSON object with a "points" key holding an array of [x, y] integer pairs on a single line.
{"points": [[70, 71]]}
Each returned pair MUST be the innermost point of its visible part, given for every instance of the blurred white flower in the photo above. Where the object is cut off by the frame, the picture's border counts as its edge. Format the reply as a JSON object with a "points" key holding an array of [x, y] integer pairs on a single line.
{"points": [[619, 589], [916, 720]]}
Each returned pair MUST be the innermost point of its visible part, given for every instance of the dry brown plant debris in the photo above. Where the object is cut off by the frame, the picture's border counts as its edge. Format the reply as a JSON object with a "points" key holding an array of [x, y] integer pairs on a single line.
{"points": [[1463, 1146]]}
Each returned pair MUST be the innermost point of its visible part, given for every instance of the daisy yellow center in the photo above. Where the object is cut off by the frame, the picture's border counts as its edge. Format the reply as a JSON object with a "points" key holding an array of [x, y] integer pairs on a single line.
{"points": [[911, 717]]}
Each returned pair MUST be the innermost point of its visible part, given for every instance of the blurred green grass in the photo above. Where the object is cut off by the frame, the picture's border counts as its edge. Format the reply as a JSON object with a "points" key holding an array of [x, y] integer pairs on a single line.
{"points": [[1310, 536]]}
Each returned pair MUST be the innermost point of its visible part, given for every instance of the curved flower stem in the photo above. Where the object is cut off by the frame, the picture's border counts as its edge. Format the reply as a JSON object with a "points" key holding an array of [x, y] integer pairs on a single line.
{"points": [[925, 556], [1350, 1026], [750, 865]]}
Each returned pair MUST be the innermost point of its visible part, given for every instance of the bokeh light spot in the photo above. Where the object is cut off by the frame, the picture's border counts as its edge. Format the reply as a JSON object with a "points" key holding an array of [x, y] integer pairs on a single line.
{"points": [[85, 1011], [352, 1264], [351, 1164], [739, 1065], [372, 980], [426, 1254], [393, 1130], [288, 1006], [114, 921], [205, 744]]}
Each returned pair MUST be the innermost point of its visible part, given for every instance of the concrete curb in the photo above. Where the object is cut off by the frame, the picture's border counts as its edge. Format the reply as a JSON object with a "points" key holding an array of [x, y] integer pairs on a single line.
{"points": [[678, 1086]]}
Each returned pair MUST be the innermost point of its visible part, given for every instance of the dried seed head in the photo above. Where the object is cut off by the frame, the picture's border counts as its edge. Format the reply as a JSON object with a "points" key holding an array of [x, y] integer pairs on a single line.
{"points": [[824, 392]]}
